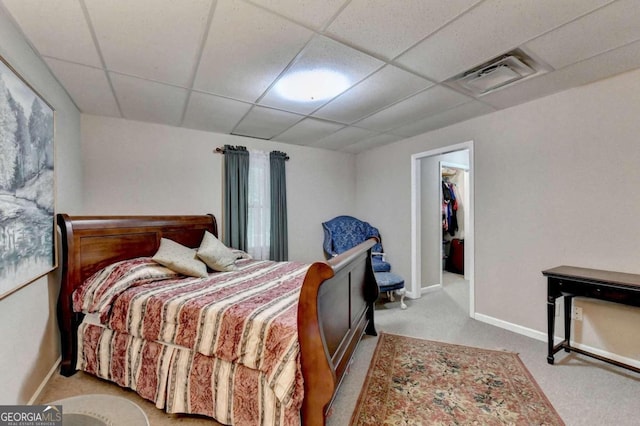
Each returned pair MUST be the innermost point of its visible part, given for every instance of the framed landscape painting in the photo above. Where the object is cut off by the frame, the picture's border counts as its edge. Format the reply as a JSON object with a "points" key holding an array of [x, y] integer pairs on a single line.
{"points": [[27, 247]]}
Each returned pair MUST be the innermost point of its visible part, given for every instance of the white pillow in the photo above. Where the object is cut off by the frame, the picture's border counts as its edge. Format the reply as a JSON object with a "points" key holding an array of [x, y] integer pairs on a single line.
{"points": [[216, 255], [179, 258], [241, 254]]}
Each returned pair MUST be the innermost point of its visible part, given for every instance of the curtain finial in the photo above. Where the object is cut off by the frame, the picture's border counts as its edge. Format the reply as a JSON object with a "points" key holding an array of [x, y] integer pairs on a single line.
{"points": [[280, 154], [226, 148]]}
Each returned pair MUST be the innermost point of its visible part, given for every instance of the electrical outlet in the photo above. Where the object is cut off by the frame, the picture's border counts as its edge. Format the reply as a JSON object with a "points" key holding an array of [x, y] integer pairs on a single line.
{"points": [[577, 313]]}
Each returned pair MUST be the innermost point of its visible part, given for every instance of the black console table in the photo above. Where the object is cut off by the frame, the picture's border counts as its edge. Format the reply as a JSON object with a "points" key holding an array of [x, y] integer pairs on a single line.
{"points": [[570, 281]]}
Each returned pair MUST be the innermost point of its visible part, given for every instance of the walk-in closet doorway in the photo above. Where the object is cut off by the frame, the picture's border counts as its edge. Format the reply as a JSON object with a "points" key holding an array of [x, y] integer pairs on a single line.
{"points": [[429, 233]]}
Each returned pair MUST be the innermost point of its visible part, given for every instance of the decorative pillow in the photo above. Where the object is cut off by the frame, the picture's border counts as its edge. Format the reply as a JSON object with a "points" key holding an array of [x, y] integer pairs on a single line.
{"points": [[241, 254], [180, 258], [216, 255], [98, 291]]}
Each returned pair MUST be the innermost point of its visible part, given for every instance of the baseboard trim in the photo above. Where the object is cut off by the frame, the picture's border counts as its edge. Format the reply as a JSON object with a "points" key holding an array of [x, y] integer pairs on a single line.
{"points": [[538, 335], [44, 382], [430, 288], [525, 331], [615, 357]]}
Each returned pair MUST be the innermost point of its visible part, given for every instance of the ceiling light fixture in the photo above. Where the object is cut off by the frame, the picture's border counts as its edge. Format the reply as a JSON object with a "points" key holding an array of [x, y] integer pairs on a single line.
{"points": [[312, 85]]}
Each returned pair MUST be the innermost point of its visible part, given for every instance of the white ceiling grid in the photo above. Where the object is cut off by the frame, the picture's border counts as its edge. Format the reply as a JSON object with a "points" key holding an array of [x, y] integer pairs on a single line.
{"points": [[212, 64]]}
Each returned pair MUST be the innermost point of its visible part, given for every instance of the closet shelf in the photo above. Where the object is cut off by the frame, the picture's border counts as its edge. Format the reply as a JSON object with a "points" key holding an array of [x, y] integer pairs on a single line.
{"points": [[448, 172]]}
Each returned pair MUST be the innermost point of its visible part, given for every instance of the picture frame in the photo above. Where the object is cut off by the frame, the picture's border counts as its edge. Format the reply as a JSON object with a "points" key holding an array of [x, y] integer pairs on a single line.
{"points": [[27, 183]]}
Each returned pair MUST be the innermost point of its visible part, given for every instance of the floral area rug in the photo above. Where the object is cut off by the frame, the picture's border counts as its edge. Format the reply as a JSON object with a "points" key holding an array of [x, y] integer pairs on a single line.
{"points": [[420, 382]]}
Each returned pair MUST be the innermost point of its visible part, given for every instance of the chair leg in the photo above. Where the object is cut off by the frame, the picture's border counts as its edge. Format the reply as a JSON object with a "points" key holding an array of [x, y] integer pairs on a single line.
{"points": [[401, 293]]}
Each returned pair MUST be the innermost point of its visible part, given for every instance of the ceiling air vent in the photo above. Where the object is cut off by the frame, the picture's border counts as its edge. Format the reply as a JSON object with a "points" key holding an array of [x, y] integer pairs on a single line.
{"points": [[497, 73]]}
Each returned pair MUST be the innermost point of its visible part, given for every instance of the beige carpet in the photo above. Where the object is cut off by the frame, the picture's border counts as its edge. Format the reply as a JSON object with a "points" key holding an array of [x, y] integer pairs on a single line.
{"points": [[585, 392]]}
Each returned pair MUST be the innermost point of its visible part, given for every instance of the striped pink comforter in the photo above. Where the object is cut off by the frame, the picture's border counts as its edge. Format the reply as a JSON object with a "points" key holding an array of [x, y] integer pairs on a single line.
{"points": [[247, 317]]}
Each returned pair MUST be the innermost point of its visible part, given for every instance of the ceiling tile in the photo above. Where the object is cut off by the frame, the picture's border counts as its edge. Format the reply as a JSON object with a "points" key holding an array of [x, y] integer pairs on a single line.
{"points": [[397, 53], [601, 66], [145, 100], [313, 13], [373, 24], [247, 48], [56, 28], [87, 86], [308, 131], [344, 137], [383, 88], [376, 141], [213, 113], [324, 53], [607, 28], [153, 39], [454, 115], [424, 104], [265, 123], [492, 28]]}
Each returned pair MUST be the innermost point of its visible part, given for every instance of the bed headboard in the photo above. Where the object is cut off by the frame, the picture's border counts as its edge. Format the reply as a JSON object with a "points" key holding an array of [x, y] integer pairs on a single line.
{"points": [[89, 243]]}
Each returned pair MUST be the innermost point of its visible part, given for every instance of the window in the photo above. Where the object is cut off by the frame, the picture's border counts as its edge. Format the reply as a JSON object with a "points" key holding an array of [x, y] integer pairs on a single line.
{"points": [[259, 198], [255, 202]]}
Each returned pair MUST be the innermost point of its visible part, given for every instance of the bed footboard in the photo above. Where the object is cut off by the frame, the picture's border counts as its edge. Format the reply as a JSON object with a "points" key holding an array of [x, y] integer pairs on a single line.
{"points": [[336, 308]]}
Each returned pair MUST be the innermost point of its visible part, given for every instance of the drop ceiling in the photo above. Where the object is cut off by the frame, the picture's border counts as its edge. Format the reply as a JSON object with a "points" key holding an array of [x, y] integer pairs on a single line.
{"points": [[212, 64]]}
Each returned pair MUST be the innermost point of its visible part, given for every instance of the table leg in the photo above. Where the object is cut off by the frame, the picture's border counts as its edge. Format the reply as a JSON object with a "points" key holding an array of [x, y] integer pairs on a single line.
{"points": [[551, 318], [567, 322]]}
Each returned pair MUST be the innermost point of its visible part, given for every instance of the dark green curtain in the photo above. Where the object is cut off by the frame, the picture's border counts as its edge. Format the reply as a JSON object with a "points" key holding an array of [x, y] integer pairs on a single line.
{"points": [[236, 192], [279, 248]]}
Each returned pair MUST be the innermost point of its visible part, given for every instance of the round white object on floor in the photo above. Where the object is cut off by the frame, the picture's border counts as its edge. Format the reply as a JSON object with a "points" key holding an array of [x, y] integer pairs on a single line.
{"points": [[100, 410]]}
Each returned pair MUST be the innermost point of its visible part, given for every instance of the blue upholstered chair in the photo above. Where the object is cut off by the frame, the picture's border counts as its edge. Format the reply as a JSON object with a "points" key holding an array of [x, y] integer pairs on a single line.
{"points": [[345, 232]]}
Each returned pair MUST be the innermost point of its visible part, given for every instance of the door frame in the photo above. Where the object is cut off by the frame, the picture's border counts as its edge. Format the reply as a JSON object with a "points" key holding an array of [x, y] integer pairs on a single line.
{"points": [[415, 289]]}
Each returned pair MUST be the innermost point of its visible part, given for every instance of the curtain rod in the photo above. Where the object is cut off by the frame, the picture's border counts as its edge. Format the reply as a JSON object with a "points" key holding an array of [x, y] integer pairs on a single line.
{"points": [[219, 150]]}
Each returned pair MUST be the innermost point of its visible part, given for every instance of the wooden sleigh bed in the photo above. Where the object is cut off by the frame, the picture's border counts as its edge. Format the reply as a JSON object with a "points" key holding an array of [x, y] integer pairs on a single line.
{"points": [[334, 309]]}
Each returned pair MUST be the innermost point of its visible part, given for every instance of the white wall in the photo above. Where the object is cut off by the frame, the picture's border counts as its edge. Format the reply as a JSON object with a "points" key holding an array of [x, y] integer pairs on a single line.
{"points": [[556, 183], [28, 326], [141, 168]]}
